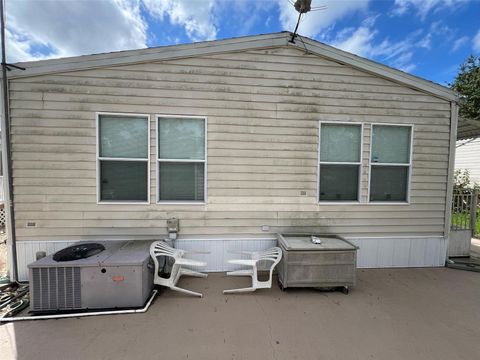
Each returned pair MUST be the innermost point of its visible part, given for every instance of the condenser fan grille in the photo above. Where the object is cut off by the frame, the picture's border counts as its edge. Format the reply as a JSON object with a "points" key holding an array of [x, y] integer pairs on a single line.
{"points": [[56, 288]]}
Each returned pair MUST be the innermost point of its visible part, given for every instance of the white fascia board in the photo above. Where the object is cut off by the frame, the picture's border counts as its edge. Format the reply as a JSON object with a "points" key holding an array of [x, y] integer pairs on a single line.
{"points": [[375, 68], [229, 45], [86, 62]]}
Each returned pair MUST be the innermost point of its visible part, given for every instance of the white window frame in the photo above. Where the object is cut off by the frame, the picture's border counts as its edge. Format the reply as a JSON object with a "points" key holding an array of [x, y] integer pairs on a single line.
{"points": [[98, 159], [409, 165], [158, 161], [359, 163]]}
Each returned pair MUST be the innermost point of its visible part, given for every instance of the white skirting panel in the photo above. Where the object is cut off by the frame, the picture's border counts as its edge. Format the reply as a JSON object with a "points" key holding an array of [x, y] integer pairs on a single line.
{"points": [[220, 250], [26, 251], [372, 253], [400, 252]]}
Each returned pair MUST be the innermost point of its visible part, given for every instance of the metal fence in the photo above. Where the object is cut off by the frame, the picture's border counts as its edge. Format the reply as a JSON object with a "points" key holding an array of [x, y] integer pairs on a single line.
{"points": [[465, 208], [2, 218], [2, 207]]}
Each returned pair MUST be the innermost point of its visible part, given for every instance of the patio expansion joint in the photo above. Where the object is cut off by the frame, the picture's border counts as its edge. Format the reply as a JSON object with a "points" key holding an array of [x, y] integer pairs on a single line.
{"points": [[269, 328]]}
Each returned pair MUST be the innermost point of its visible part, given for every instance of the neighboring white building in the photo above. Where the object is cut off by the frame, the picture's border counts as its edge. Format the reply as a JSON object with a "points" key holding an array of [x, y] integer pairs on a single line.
{"points": [[468, 157], [239, 139]]}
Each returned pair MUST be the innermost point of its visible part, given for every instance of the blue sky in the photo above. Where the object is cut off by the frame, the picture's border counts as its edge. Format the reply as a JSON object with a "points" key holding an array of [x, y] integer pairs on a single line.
{"points": [[428, 38]]}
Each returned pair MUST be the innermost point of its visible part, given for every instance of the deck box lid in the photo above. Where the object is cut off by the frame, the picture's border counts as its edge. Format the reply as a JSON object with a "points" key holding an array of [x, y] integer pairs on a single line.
{"points": [[304, 242]]}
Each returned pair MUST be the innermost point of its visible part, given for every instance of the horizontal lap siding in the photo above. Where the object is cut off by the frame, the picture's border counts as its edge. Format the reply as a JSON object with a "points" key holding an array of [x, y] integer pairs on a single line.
{"points": [[467, 156], [263, 109]]}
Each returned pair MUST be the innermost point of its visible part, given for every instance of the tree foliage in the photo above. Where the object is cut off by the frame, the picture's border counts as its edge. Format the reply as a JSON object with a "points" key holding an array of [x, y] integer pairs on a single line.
{"points": [[463, 182], [467, 84]]}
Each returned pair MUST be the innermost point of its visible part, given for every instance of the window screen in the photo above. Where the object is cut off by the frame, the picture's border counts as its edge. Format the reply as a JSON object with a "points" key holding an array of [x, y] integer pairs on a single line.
{"points": [[181, 159], [123, 158], [391, 144], [388, 183], [338, 182], [390, 163], [340, 143], [123, 180], [340, 160]]}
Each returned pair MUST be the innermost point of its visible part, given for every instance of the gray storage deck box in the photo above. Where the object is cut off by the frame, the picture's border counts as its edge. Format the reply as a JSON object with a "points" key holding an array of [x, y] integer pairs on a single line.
{"points": [[332, 263]]}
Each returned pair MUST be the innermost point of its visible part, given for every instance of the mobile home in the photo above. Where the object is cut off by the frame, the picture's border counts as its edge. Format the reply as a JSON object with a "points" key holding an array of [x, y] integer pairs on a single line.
{"points": [[467, 157], [239, 139]]}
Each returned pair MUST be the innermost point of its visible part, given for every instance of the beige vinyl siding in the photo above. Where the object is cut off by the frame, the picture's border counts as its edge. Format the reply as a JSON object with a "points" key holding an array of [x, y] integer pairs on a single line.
{"points": [[263, 110], [467, 156]]}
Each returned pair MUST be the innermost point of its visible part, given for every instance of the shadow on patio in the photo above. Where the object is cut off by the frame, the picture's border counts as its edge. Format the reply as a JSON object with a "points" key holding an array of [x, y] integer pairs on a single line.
{"points": [[391, 314]]}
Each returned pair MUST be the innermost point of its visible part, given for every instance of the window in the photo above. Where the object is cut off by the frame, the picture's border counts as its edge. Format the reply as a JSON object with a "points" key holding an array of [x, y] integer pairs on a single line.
{"points": [[340, 160], [390, 163], [122, 157], [181, 159]]}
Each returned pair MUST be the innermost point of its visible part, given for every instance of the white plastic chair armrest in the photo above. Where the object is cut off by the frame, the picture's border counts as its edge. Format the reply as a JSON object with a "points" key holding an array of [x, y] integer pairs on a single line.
{"points": [[190, 262], [243, 262], [239, 252]]}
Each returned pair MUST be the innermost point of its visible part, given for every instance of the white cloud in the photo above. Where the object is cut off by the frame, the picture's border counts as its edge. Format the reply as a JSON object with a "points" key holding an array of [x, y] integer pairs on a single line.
{"points": [[366, 41], [424, 7], [248, 13], [20, 48], [196, 16], [356, 41], [426, 42], [458, 43], [476, 42], [363, 41], [68, 28], [440, 29], [315, 22]]}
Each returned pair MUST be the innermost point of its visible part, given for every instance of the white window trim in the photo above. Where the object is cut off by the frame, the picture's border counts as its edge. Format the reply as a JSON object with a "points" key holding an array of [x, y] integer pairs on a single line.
{"points": [[98, 158], [409, 180], [360, 164], [158, 160]]}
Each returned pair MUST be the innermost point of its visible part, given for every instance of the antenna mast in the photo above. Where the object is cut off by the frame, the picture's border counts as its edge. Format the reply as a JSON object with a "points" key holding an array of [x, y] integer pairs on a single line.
{"points": [[6, 147], [302, 6]]}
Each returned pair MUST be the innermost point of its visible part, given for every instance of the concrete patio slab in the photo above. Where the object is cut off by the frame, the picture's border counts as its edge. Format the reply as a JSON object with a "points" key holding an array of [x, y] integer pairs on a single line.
{"points": [[392, 314], [475, 248]]}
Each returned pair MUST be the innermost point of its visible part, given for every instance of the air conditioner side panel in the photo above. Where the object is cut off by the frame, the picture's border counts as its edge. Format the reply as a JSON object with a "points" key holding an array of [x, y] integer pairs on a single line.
{"points": [[113, 286]]}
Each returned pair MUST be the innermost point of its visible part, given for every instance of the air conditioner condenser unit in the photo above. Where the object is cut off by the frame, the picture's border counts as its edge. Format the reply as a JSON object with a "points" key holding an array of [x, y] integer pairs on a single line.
{"points": [[120, 276]]}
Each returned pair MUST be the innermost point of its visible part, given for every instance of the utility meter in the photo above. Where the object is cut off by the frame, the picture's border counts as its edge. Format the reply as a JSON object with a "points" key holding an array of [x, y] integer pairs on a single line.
{"points": [[173, 227]]}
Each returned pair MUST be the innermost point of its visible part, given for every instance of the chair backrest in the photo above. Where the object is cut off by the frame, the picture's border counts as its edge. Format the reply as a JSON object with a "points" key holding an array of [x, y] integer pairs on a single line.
{"points": [[161, 248], [273, 254]]}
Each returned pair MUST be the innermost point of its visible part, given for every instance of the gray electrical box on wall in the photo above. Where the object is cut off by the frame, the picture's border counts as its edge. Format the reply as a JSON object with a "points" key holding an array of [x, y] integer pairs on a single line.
{"points": [[173, 225]]}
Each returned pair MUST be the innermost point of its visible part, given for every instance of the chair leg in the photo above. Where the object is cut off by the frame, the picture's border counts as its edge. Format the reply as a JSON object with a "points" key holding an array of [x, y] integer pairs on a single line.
{"points": [[185, 291], [243, 290], [189, 272]]}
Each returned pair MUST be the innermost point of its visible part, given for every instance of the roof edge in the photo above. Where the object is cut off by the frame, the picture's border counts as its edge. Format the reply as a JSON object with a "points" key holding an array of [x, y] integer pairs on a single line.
{"points": [[83, 62], [376, 68], [86, 62]]}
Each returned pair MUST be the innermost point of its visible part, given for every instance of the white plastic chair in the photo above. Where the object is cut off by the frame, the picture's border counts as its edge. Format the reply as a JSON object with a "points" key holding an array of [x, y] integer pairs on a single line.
{"points": [[273, 255], [160, 248]]}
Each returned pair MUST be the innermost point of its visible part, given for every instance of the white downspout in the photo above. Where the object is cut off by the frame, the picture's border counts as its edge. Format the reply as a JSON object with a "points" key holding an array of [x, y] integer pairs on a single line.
{"points": [[451, 170]]}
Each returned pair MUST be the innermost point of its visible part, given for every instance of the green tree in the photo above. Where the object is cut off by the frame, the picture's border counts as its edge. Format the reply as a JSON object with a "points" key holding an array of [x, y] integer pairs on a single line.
{"points": [[463, 182], [467, 84]]}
